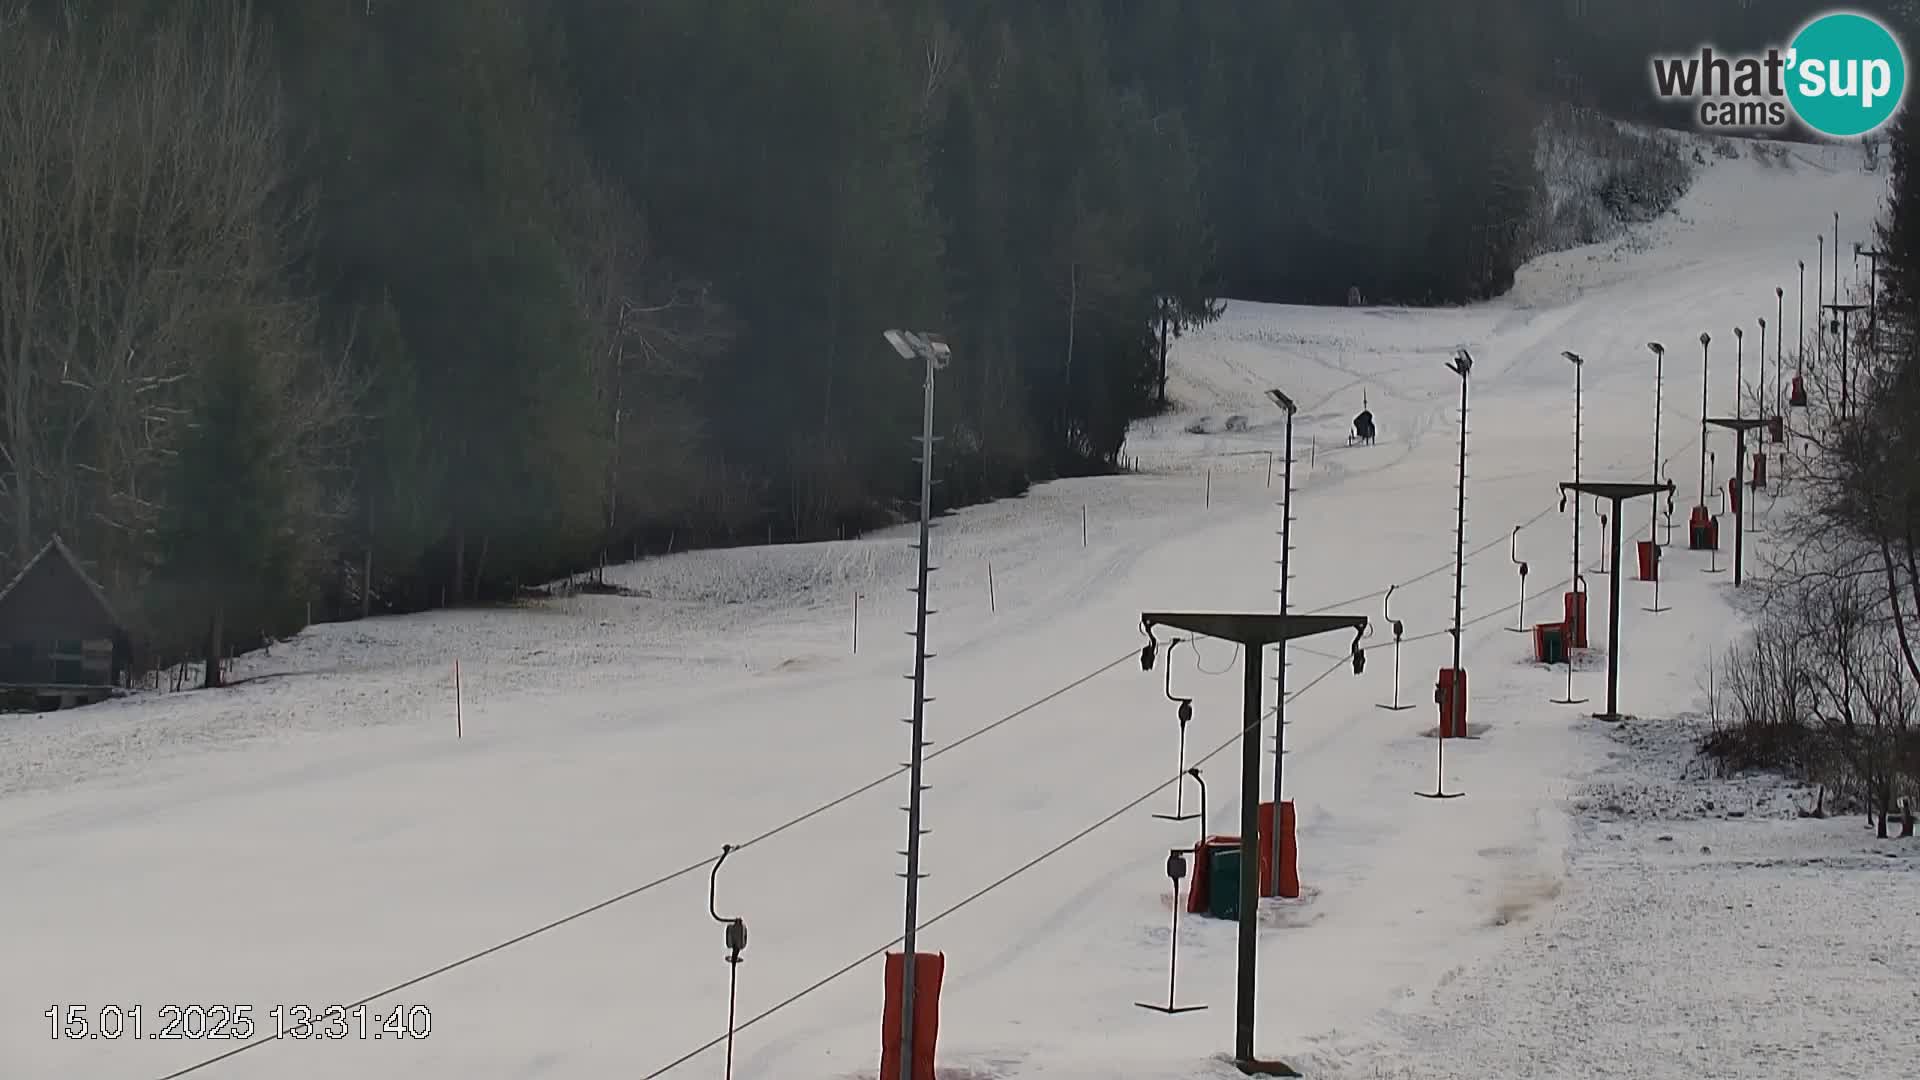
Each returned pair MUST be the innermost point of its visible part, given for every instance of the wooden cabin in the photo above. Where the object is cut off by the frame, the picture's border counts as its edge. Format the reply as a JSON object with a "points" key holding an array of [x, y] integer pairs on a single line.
{"points": [[60, 643]]}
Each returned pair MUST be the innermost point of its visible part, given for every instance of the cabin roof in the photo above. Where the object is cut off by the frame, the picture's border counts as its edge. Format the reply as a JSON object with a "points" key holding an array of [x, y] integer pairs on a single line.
{"points": [[60, 551]]}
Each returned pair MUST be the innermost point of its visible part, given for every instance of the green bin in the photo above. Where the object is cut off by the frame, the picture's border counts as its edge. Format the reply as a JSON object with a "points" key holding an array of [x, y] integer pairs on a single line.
{"points": [[1223, 884]]}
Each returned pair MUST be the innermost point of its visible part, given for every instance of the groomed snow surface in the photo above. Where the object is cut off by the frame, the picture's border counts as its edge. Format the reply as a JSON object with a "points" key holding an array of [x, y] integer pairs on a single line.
{"points": [[317, 834]]}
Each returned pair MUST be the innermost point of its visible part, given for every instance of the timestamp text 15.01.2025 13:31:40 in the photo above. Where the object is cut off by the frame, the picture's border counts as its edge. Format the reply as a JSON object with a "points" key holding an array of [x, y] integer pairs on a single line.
{"points": [[210, 1023]]}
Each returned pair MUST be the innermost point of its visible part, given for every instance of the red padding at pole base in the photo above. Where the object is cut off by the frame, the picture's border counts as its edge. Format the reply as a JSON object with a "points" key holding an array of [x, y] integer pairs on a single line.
{"points": [[1760, 469], [1289, 882], [1649, 560], [928, 970], [1733, 494], [1576, 611], [1450, 693]]}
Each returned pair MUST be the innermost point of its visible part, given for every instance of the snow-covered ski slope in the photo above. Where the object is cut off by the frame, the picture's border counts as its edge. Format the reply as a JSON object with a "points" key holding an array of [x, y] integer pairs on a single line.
{"points": [[318, 834]]}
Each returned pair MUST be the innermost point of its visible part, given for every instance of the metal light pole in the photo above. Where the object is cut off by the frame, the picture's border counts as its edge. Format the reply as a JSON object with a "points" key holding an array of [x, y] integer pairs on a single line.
{"points": [[1579, 593], [1739, 367], [932, 349], [1280, 665], [1705, 340], [1455, 708], [1659, 386], [1461, 365], [1578, 363], [1760, 380], [1779, 351]]}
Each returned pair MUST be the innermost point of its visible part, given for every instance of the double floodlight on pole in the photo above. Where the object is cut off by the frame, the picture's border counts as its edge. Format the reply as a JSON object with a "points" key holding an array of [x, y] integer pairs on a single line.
{"points": [[932, 348], [934, 351]]}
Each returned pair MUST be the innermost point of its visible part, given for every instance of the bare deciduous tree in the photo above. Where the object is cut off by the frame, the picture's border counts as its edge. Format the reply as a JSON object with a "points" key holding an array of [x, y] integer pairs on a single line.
{"points": [[143, 184]]}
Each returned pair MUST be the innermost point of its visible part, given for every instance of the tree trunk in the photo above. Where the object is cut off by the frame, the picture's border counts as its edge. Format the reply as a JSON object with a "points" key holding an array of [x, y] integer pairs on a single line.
{"points": [[1163, 359], [366, 568], [480, 567], [459, 563], [214, 675], [21, 448]]}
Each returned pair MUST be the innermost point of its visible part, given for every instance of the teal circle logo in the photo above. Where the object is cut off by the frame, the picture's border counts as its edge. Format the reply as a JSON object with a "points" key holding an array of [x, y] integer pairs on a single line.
{"points": [[1848, 74]]}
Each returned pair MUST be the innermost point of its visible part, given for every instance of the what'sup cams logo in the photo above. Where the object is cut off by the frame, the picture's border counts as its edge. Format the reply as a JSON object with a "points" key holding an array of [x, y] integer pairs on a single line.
{"points": [[1843, 74]]}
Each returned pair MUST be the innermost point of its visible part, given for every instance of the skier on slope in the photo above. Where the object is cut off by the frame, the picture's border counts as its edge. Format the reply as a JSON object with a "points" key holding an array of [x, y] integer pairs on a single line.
{"points": [[1363, 425]]}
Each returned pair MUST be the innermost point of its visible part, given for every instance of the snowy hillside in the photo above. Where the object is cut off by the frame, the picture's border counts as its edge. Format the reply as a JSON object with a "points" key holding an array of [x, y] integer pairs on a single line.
{"points": [[318, 834]]}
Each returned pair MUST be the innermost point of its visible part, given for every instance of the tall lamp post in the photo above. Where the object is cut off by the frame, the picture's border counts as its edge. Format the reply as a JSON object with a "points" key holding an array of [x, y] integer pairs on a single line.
{"points": [[1453, 710], [934, 351], [1706, 339], [1576, 615], [1578, 363], [1280, 665], [1739, 368], [1659, 352], [1779, 351]]}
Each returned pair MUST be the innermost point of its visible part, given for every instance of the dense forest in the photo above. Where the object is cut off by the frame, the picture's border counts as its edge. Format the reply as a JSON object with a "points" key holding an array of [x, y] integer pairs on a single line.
{"points": [[374, 305]]}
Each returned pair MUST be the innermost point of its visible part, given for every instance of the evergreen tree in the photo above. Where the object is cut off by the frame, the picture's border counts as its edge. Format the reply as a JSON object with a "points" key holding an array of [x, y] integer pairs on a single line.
{"points": [[228, 542]]}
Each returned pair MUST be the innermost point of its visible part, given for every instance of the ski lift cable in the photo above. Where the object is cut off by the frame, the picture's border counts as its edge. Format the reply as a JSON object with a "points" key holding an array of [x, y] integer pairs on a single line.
{"points": [[1447, 566], [976, 896], [1023, 868], [675, 875]]}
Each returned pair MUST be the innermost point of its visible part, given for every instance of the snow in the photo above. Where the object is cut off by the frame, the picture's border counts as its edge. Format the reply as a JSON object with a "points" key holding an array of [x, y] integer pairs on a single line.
{"points": [[318, 834]]}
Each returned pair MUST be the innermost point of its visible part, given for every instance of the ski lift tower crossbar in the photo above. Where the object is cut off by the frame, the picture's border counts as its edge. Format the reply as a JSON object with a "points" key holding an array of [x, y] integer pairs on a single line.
{"points": [[1253, 631], [1739, 425], [1615, 493]]}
